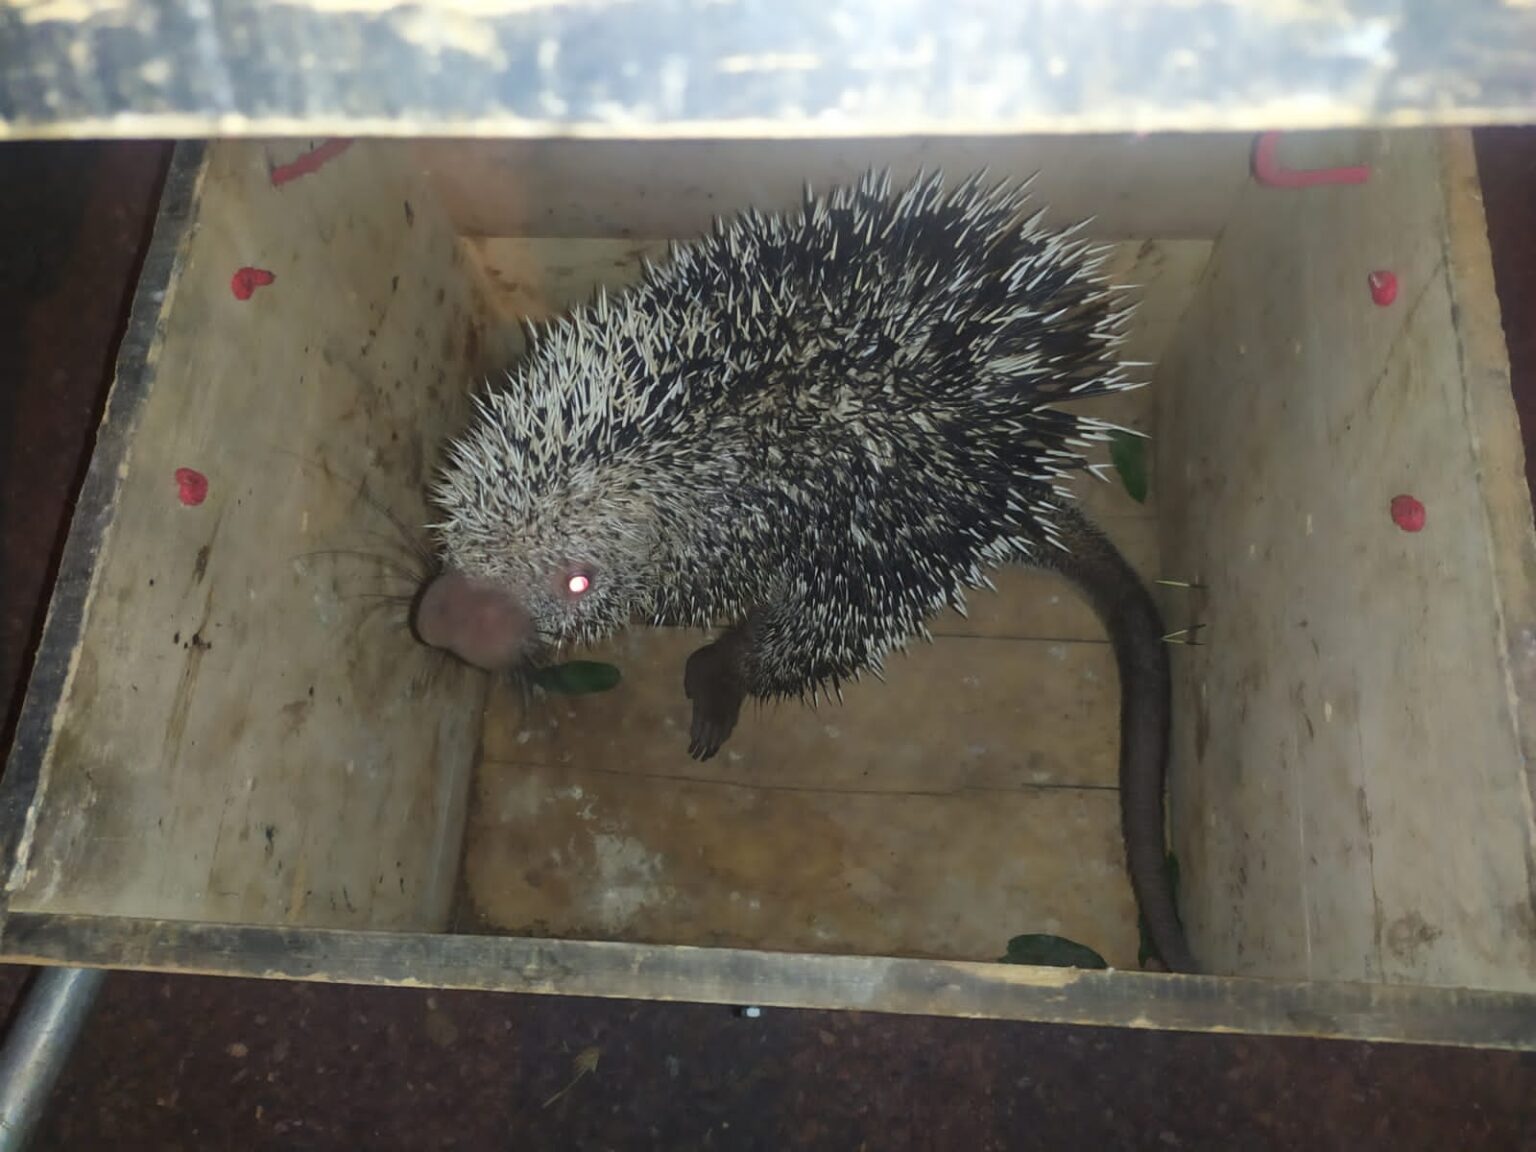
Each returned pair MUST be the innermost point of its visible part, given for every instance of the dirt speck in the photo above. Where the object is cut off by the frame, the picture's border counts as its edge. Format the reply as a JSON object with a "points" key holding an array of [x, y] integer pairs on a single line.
{"points": [[1409, 935], [295, 712], [441, 1030]]}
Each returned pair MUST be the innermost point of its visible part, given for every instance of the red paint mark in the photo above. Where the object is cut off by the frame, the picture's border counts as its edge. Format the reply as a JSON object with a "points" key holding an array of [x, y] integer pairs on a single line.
{"points": [[1383, 287], [1268, 170], [1407, 513], [311, 161], [244, 282], [191, 487]]}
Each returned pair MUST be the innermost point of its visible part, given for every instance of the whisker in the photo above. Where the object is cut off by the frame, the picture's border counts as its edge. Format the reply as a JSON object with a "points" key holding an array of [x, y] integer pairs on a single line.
{"points": [[414, 550], [387, 562], [408, 535], [363, 618]]}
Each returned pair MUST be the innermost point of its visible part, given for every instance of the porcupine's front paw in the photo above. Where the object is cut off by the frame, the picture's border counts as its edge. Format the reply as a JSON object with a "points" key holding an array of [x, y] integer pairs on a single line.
{"points": [[713, 682]]}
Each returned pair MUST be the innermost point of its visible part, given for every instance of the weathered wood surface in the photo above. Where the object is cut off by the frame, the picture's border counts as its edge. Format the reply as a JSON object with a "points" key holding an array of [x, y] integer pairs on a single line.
{"points": [[1494, 426], [1352, 773], [796, 67], [239, 729], [96, 503], [1124, 186], [1376, 1012]]}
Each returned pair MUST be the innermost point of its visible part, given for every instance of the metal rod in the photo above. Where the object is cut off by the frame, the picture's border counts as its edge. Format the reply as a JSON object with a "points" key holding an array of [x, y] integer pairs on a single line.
{"points": [[53, 1012]]}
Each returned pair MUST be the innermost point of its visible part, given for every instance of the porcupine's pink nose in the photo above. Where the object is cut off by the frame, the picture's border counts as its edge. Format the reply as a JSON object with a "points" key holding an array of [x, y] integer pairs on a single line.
{"points": [[479, 623]]}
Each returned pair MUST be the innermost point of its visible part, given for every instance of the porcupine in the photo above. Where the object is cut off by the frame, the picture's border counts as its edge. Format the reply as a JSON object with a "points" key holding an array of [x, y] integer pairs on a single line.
{"points": [[822, 428]]}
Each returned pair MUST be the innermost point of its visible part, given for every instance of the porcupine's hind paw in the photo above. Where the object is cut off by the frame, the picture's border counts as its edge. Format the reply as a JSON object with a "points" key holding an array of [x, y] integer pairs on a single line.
{"points": [[713, 682]]}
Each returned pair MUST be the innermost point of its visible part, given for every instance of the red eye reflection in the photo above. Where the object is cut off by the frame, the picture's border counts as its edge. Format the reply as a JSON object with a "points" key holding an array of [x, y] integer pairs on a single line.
{"points": [[578, 583]]}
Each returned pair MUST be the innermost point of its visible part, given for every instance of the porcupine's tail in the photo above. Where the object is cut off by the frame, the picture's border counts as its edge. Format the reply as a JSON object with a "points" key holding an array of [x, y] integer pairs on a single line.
{"points": [[1135, 629]]}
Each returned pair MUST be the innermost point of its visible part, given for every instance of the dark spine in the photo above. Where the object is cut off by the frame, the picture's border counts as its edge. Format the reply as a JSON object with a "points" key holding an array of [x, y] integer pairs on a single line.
{"points": [[1136, 631]]}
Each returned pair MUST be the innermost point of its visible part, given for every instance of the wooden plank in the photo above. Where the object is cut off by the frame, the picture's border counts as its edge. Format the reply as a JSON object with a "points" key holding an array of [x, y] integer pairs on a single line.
{"points": [[98, 493], [961, 713], [537, 278], [1172, 188], [1494, 425], [623, 68], [1383, 1013], [575, 852], [1352, 799], [970, 794], [239, 735]]}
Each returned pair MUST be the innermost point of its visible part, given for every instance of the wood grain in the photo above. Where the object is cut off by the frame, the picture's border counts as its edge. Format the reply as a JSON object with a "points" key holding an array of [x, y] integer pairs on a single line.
{"points": [[244, 735], [1375, 1012], [831, 866], [1352, 793], [92, 513], [1172, 188]]}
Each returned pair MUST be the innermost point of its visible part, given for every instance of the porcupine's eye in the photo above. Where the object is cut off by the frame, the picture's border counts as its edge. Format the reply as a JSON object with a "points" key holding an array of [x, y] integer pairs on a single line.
{"points": [[576, 583]]}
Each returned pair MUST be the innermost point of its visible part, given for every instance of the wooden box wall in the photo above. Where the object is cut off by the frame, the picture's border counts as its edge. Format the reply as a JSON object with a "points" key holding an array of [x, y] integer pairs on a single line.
{"points": [[232, 760]]}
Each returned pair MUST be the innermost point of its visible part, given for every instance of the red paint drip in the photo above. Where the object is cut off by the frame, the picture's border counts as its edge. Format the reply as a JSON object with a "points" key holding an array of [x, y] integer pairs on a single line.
{"points": [[1383, 287], [1268, 170], [311, 161], [191, 487], [1407, 513], [245, 282]]}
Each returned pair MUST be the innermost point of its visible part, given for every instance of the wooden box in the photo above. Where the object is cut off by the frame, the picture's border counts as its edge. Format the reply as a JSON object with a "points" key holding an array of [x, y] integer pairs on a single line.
{"points": [[234, 758]]}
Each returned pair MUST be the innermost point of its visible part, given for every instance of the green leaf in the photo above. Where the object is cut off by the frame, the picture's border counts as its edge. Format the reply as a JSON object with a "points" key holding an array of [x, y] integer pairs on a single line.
{"points": [[1052, 952], [1145, 952], [576, 678], [1128, 453]]}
